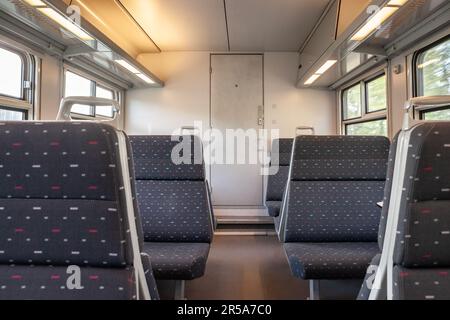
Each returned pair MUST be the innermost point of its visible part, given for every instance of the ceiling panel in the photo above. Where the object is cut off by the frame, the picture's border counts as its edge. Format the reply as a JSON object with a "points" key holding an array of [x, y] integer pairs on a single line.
{"points": [[271, 25], [182, 25]]}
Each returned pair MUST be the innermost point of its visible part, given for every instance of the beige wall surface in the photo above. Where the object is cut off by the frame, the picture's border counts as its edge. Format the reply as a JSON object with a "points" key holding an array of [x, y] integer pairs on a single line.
{"points": [[185, 97]]}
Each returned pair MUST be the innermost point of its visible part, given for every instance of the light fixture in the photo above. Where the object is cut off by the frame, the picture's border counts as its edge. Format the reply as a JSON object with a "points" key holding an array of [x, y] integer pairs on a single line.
{"points": [[374, 22], [377, 19], [65, 23], [145, 78], [134, 70], [35, 3], [127, 66], [327, 65], [311, 79], [397, 2]]}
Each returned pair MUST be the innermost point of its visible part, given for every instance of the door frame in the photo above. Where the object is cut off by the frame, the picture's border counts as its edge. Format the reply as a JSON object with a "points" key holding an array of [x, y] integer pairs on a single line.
{"points": [[263, 185]]}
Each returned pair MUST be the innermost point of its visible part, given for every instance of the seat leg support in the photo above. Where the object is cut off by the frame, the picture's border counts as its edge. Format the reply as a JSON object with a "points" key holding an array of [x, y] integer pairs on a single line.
{"points": [[314, 288], [179, 290]]}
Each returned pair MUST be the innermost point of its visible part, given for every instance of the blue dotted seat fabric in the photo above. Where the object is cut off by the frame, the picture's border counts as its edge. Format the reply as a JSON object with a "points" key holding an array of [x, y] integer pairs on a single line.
{"points": [[62, 203], [421, 256], [336, 182], [174, 205], [276, 184]]}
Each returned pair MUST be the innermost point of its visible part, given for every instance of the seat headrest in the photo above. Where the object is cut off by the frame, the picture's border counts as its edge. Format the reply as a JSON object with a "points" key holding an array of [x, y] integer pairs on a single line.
{"points": [[432, 170], [168, 157], [340, 158], [60, 195], [281, 151]]}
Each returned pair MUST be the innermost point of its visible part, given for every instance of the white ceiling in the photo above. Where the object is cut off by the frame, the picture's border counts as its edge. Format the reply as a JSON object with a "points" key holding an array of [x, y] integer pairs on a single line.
{"points": [[253, 25]]}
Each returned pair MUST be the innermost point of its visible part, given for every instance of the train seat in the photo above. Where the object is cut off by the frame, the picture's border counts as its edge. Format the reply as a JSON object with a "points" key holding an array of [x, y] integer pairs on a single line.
{"points": [[330, 220], [175, 206], [421, 257], [67, 228]]}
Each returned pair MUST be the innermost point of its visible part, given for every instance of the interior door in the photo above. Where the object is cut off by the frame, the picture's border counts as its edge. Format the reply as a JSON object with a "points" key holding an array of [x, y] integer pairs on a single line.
{"points": [[237, 103]]}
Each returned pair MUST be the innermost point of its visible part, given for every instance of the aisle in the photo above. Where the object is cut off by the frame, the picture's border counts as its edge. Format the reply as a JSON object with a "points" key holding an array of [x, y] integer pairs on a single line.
{"points": [[247, 267]]}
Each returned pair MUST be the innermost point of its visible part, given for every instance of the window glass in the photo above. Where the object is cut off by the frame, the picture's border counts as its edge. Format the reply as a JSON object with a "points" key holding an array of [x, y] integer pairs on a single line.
{"points": [[78, 86], [376, 94], [351, 101], [443, 114], [104, 111], [7, 114], [372, 128], [11, 76], [433, 70]]}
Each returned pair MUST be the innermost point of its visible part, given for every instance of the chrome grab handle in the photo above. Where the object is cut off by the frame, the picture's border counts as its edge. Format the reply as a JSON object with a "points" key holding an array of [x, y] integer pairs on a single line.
{"points": [[64, 113], [429, 101], [302, 128]]}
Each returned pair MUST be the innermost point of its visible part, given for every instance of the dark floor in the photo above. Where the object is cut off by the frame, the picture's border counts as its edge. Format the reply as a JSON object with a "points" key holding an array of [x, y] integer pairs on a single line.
{"points": [[246, 268]]}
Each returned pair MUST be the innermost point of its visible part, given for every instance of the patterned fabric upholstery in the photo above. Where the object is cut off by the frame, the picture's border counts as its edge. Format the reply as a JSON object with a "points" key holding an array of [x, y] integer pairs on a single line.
{"points": [[332, 217], [276, 184], [153, 161], [423, 236], [330, 260], [421, 283], [62, 203], [347, 158], [176, 211], [333, 211], [177, 261], [174, 204], [46, 282]]}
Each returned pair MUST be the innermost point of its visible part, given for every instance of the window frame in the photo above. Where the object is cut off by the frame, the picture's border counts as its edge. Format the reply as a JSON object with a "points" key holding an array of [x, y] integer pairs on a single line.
{"points": [[366, 116], [418, 80], [117, 93], [26, 102]]}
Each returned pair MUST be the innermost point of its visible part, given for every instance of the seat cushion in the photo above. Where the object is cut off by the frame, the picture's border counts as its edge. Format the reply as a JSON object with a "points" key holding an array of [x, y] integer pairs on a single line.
{"points": [[39, 282], [421, 283], [273, 208], [330, 260], [177, 261]]}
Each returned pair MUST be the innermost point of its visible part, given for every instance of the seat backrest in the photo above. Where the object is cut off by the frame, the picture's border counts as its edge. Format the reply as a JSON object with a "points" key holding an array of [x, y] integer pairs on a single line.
{"points": [[281, 157], [64, 211], [334, 186], [423, 234], [173, 197]]}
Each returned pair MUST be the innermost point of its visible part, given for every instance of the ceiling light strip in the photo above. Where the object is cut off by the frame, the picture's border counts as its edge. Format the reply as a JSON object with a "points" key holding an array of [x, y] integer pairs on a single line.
{"points": [[324, 68]]}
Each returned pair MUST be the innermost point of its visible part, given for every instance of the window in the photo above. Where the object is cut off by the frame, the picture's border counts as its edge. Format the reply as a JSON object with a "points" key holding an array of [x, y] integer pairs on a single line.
{"points": [[376, 94], [16, 94], [352, 102], [10, 114], [364, 107], [433, 70], [433, 77], [371, 128], [76, 85]]}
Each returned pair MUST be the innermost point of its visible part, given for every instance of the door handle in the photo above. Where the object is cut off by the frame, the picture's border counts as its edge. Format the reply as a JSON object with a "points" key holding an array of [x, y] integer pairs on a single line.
{"points": [[260, 121]]}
